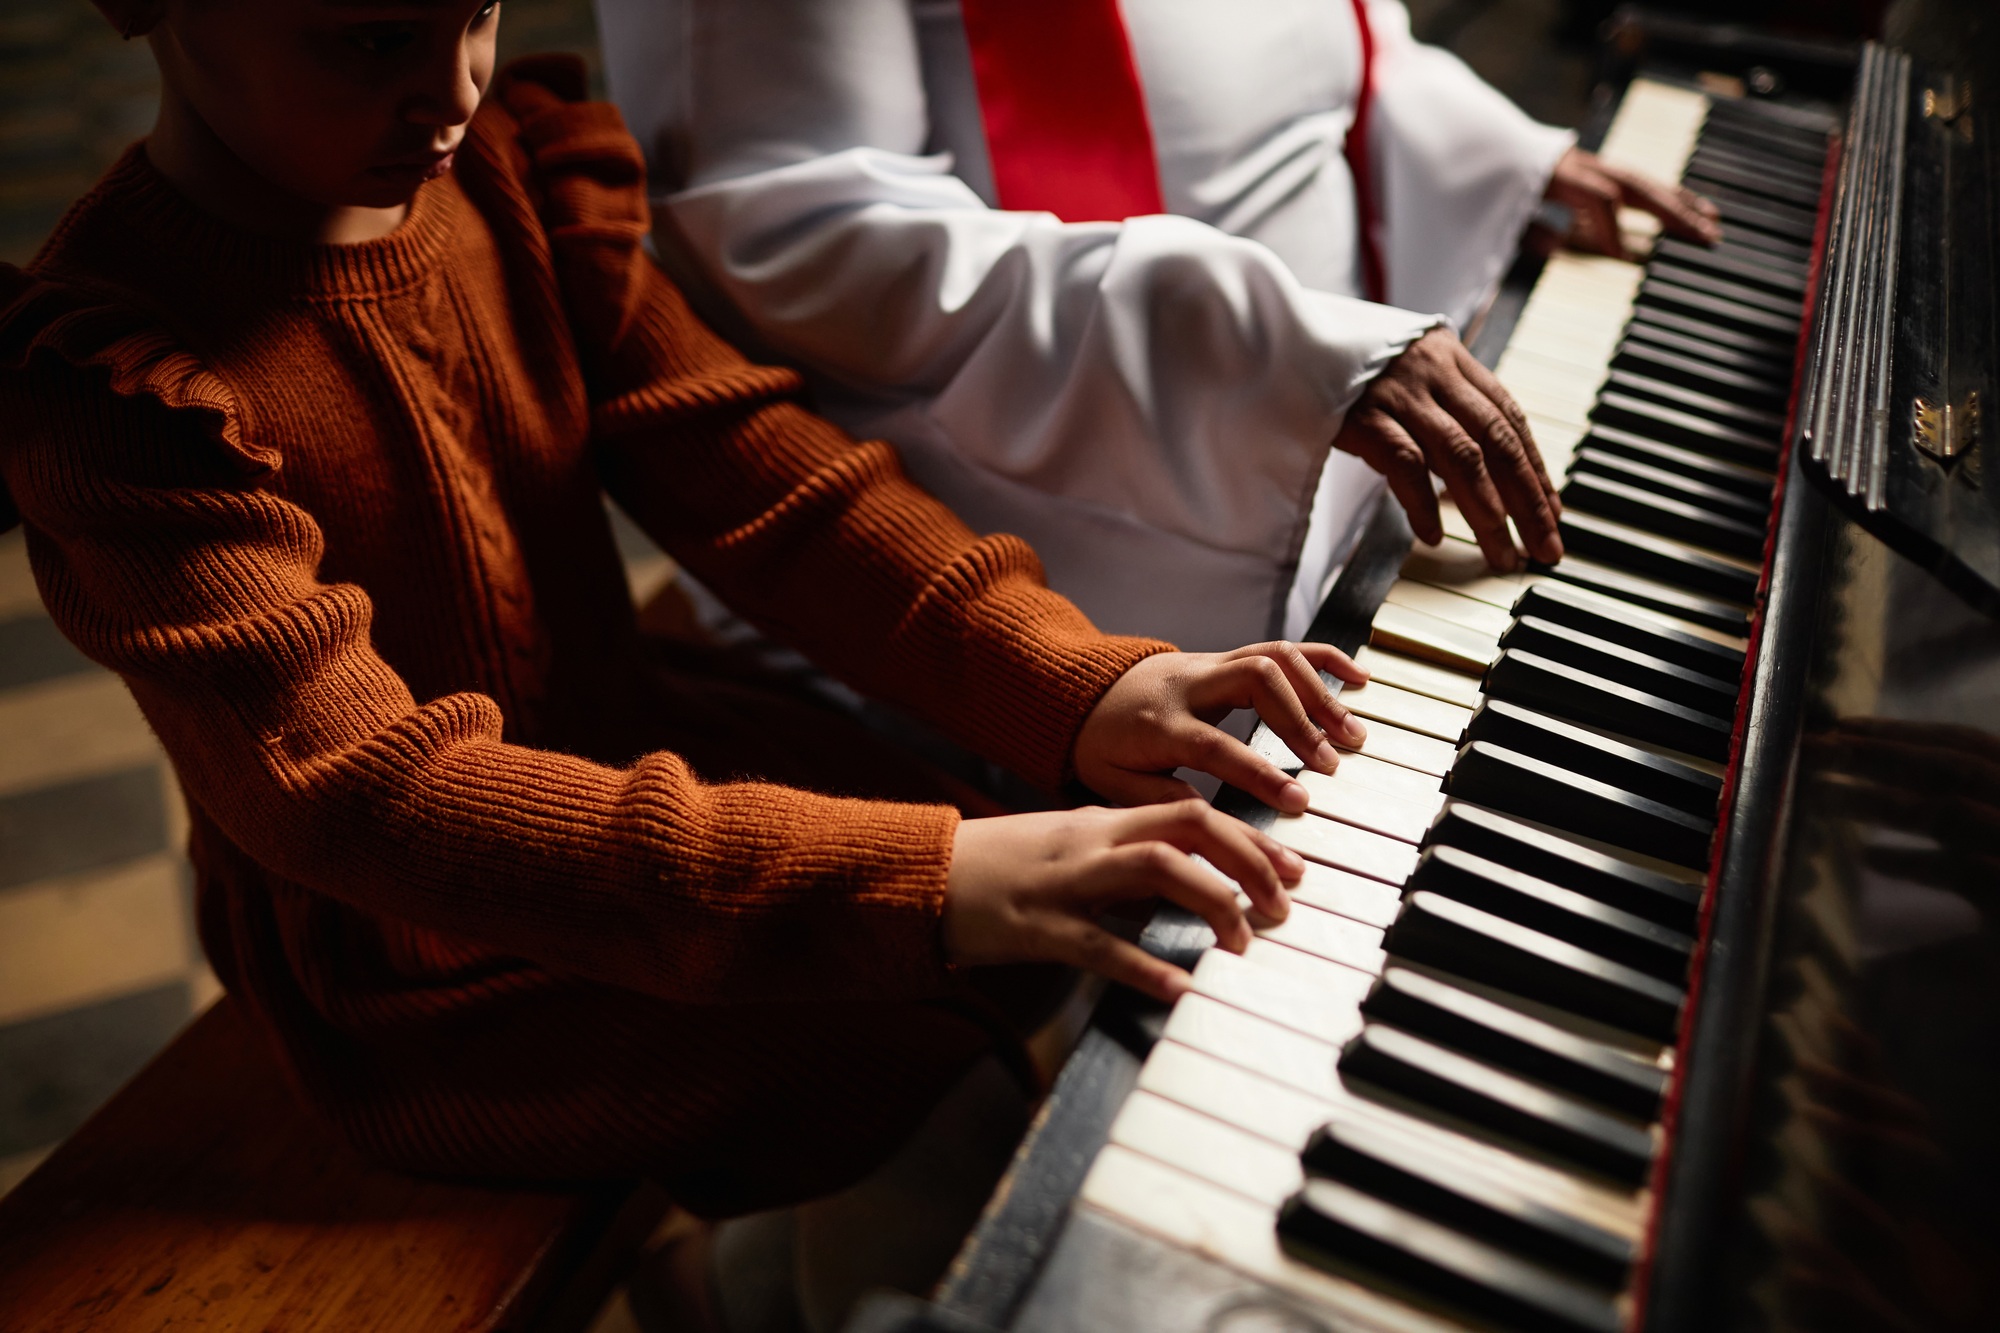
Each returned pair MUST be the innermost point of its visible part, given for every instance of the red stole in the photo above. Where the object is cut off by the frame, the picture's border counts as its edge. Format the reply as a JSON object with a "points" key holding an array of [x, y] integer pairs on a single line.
{"points": [[1065, 117]]}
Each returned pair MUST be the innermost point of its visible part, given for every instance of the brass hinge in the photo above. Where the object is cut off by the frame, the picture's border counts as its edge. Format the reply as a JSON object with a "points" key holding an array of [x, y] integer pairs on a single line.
{"points": [[1944, 431], [1951, 107]]}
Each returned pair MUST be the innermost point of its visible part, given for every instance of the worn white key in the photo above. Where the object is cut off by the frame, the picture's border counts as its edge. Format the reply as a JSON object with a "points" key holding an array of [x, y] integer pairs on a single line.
{"points": [[1435, 718], [1256, 1043], [1446, 605], [1405, 748], [1345, 847], [1396, 779], [1304, 1065], [1247, 1100], [1321, 974], [1378, 812], [1238, 1233], [1279, 996], [1327, 935], [1463, 569], [1418, 676], [1422, 635], [1343, 893], [1207, 1148]]}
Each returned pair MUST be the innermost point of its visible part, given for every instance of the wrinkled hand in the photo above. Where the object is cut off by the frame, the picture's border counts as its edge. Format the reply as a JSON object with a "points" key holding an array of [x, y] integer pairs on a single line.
{"points": [[1033, 887], [1594, 190], [1436, 409], [1160, 716]]}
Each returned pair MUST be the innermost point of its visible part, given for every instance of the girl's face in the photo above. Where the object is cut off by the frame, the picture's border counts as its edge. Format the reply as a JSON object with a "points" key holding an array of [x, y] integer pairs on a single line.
{"points": [[342, 103]]}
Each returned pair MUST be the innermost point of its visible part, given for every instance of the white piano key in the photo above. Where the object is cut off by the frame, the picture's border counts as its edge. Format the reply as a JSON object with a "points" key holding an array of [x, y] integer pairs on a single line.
{"points": [[1449, 606], [1439, 641], [1345, 847], [1323, 975], [1655, 129], [1381, 702], [1462, 568], [1232, 1038], [1279, 996], [1343, 893], [1207, 1148], [1395, 779], [1408, 749], [1378, 812], [1245, 1099], [1455, 526], [1238, 1233], [1337, 939], [1420, 677]]}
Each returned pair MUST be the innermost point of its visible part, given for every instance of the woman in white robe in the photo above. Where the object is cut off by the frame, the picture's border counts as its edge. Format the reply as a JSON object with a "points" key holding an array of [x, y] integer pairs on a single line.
{"points": [[1152, 403]]}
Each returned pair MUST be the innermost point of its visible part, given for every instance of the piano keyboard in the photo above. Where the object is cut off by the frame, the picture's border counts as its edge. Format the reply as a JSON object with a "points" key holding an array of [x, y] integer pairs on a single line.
{"points": [[1432, 1095]]}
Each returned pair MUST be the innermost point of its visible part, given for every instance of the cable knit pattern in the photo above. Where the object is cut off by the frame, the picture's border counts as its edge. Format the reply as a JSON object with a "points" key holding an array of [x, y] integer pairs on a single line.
{"points": [[334, 515]]}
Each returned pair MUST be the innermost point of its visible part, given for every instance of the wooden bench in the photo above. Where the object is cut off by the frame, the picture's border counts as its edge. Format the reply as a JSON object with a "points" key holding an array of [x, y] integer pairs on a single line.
{"points": [[203, 1197]]}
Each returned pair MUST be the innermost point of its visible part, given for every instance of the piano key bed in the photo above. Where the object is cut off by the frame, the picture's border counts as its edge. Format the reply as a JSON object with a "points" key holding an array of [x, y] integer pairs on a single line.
{"points": [[1433, 1096]]}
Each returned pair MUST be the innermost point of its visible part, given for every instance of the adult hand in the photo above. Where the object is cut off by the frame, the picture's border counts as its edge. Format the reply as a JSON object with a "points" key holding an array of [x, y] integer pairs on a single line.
{"points": [[1594, 190], [1160, 716], [1033, 887], [1436, 409]]}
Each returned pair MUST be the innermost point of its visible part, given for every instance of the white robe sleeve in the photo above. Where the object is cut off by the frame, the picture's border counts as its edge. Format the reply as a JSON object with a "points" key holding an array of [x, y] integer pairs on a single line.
{"points": [[1157, 369], [1461, 171]]}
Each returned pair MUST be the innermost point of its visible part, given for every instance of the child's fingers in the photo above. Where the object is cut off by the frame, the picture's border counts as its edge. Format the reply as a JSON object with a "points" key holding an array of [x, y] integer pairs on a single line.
{"points": [[1072, 940], [1213, 751], [1325, 657], [1321, 704], [1258, 680], [1147, 869], [1256, 862]]}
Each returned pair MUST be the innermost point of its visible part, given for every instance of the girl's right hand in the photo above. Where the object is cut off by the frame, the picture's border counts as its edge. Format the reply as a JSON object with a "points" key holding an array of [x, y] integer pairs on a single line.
{"points": [[1031, 888]]}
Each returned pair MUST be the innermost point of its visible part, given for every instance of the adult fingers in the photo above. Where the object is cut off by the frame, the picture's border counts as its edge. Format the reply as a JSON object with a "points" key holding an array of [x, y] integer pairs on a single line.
{"points": [[1511, 462], [1682, 211], [1593, 197], [1072, 940], [1496, 393], [1457, 458], [1380, 441]]}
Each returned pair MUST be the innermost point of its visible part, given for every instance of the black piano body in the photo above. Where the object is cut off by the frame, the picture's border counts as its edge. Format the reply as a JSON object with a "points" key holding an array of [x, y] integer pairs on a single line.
{"points": [[1823, 1153]]}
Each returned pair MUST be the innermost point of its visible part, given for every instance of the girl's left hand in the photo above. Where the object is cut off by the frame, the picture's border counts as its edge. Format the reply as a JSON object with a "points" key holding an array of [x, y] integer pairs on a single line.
{"points": [[1161, 715]]}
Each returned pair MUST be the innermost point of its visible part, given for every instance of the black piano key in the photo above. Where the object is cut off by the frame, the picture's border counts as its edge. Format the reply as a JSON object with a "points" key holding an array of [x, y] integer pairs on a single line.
{"points": [[1457, 1085], [1791, 308], [1514, 783], [1461, 939], [1738, 264], [1750, 483], [1772, 189], [1509, 1039], [1608, 618], [1773, 352], [1677, 298], [1549, 856], [1760, 367], [1570, 692], [1690, 372], [1339, 1228], [1690, 430], [1763, 124], [1624, 663], [1576, 750], [1741, 209], [1651, 593], [1664, 515], [1679, 564], [1429, 1184], [1674, 484], [1801, 176], [1758, 421], [1560, 913]]}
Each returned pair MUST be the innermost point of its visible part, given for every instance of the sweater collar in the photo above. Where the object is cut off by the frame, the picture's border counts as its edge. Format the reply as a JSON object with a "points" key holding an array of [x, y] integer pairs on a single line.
{"points": [[156, 209]]}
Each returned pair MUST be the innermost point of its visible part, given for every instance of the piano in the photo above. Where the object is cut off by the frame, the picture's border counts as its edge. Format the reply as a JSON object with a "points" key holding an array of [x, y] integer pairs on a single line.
{"points": [[1640, 977]]}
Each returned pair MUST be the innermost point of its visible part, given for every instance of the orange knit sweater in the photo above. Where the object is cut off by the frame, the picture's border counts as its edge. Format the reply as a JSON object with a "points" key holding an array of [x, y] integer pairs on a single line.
{"points": [[334, 514]]}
